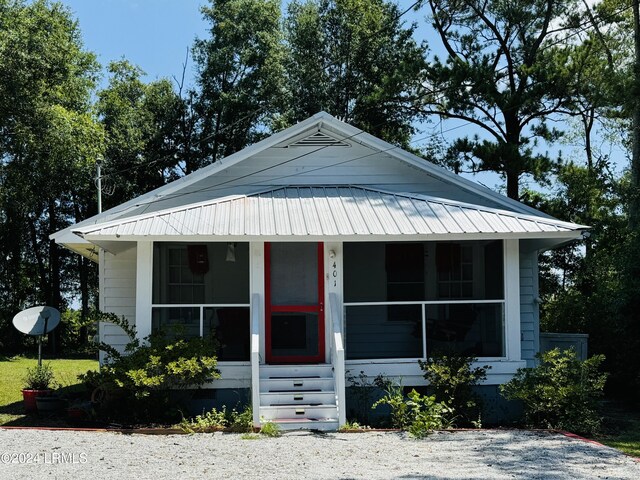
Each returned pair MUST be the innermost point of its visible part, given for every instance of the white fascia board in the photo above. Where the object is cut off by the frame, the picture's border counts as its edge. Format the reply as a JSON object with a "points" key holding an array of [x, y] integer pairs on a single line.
{"points": [[569, 235], [273, 140]]}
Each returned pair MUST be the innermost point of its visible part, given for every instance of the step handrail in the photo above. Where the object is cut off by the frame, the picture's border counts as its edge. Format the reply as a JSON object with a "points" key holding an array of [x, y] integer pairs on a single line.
{"points": [[255, 358], [337, 358]]}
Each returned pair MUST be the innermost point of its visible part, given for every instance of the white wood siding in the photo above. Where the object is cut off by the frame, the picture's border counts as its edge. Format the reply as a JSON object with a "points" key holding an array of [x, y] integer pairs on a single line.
{"points": [[117, 294], [529, 308]]}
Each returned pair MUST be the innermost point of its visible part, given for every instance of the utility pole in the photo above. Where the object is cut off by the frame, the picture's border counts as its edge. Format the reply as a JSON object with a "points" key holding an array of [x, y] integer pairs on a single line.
{"points": [[634, 205], [99, 183]]}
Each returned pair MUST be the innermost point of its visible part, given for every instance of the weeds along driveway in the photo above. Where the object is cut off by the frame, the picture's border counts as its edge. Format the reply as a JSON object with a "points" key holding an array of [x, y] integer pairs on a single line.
{"points": [[470, 455]]}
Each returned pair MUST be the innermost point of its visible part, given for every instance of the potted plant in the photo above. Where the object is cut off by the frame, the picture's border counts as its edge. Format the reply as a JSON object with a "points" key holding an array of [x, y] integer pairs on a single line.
{"points": [[37, 383], [50, 403]]}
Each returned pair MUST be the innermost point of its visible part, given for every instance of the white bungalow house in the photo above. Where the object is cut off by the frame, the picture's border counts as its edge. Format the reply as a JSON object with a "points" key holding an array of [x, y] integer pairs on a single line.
{"points": [[322, 250]]}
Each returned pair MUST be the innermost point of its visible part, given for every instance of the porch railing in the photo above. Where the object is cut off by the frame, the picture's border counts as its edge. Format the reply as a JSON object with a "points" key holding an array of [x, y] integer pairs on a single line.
{"points": [[337, 358], [255, 358]]}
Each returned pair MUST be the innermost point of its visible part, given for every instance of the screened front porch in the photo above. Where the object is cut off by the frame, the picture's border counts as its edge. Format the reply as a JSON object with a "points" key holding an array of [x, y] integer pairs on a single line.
{"points": [[400, 300]]}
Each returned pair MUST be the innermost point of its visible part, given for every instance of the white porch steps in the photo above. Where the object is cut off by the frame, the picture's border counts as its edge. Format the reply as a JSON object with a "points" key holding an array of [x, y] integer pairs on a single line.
{"points": [[298, 397]]}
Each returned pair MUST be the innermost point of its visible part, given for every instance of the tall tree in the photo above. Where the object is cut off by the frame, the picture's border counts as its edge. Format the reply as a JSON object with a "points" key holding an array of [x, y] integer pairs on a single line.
{"points": [[498, 74], [142, 122], [357, 60], [239, 74], [48, 141]]}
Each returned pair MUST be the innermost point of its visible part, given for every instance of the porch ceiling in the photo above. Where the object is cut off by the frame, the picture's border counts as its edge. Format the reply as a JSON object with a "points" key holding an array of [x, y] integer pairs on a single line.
{"points": [[330, 211]]}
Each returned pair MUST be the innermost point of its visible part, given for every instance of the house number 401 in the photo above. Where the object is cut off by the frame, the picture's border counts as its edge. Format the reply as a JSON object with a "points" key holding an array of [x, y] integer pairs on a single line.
{"points": [[334, 274]]}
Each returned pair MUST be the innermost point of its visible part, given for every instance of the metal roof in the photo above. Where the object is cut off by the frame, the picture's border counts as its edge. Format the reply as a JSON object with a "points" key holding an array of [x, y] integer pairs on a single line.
{"points": [[328, 211]]}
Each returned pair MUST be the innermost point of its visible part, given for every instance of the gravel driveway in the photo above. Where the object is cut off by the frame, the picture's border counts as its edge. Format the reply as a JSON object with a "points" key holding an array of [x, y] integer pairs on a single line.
{"points": [[469, 455]]}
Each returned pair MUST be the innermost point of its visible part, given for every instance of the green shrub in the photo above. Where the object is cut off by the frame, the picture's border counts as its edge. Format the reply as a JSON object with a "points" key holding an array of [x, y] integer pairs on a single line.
{"points": [[240, 421], [352, 425], [451, 377], [363, 391], [212, 420], [39, 378], [561, 392], [270, 429], [426, 414], [141, 384], [394, 398], [419, 414]]}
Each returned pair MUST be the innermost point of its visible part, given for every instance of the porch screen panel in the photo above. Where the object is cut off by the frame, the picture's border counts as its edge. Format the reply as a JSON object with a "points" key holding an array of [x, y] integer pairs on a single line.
{"points": [[203, 289], [469, 329], [229, 327], [176, 322], [381, 331], [208, 273], [294, 273], [458, 285]]}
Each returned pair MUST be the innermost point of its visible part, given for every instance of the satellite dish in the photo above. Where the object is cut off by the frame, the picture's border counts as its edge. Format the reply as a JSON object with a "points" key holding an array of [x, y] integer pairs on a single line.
{"points": [[37, 320]]}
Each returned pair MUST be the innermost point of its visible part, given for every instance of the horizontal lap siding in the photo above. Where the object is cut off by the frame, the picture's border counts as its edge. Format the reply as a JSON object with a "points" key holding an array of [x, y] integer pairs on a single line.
{"points": [[118, 295], [529, 310]]}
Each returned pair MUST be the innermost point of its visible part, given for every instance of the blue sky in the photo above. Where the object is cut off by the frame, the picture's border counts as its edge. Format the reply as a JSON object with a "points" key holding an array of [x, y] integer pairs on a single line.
{"points": [[153, 34], [156, 34]]}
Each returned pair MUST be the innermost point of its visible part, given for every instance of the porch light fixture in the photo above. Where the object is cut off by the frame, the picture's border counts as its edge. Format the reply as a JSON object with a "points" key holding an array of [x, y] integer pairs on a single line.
{"points": [[231, 252], [332, 254]]}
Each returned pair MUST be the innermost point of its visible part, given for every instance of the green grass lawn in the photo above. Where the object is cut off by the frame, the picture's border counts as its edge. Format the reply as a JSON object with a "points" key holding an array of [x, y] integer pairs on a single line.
{"points": [[621, 428], [12, 373]]}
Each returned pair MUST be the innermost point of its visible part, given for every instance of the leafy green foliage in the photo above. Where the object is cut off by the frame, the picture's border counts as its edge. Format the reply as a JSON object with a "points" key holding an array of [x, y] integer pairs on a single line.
{"points": [[237, 421], [561, 392], [270, 429], [39, 378], [354, 59], [239, 74], [209, 421], [451, 377], [419, 414], [240, 421], [47, 131], [498, 75], [149, 370]]}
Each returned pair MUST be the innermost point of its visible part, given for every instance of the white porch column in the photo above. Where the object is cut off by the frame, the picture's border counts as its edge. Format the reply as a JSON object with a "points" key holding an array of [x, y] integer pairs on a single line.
{"points": [[333, 284], [144, 288], [256, 281], [512, 299]]}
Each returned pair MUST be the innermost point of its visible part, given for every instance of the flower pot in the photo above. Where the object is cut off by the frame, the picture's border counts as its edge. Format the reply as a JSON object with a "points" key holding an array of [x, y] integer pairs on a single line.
{"points": [[50, 404], [29, 397]]}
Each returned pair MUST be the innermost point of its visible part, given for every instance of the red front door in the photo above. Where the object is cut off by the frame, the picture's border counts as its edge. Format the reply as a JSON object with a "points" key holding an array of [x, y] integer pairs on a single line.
{"points": [[294, 290]]}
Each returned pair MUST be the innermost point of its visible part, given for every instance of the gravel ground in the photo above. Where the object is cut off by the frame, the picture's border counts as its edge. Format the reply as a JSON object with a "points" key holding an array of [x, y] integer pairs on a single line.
{"points": [[374, 455]]}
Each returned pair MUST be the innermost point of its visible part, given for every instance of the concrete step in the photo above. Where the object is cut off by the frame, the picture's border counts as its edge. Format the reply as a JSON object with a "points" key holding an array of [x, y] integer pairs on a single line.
{"points": [[298, 398], [296, 385], [288, 424], [301, 412]]}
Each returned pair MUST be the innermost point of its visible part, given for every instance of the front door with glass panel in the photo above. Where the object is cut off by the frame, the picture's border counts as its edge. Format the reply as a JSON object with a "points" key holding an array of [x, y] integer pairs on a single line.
{"points": [[294, 302]]}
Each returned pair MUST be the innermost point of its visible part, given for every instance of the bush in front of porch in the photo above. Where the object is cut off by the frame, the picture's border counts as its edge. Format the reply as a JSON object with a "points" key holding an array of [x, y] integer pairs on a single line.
{"points": [[148, 383]]}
